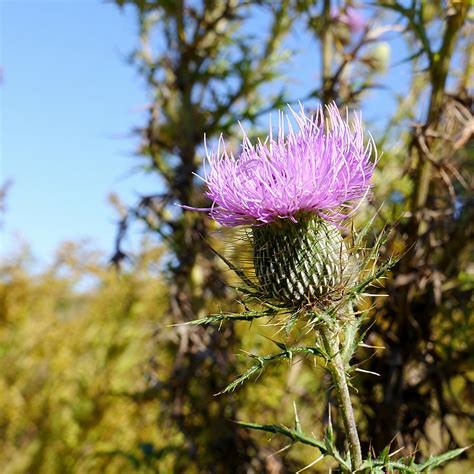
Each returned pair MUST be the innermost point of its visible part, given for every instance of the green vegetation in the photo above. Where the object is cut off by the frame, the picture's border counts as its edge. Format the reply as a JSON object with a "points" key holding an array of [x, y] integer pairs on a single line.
{"points": [[97, 372]]}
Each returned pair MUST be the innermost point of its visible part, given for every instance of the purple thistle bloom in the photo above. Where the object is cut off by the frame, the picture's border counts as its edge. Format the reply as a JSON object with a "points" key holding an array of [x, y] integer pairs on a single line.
{"points": [[350, 17], [324, 168]]}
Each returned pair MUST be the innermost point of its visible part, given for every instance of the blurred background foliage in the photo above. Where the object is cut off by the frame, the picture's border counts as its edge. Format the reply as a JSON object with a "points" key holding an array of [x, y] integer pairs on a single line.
{"points": [[94, 377]]}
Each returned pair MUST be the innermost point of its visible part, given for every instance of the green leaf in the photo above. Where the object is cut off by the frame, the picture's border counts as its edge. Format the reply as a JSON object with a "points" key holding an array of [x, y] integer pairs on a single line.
{"points": [[351, 340], [329, 435], [243, 377], [384, 455], [292, 434], [385, 267], [217, 318], [442, 458], [290, 323], [263, 361]]}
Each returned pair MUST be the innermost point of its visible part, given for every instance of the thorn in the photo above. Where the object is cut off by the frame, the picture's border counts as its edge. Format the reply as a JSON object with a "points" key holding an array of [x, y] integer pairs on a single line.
{"points": [[367, 372], [393, 439], [280, 450], [397, 451], [363, 344], [311, 464], [297, 419]]}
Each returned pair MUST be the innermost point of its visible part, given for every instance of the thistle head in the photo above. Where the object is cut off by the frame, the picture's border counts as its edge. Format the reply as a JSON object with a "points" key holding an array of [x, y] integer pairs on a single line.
{"points": [[350, 17], [323, 168], [291, 189]]}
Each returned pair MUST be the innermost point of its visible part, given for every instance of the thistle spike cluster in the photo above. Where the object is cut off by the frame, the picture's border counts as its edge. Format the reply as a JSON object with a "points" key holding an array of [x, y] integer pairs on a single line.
{"points": [[300, 263], [323, 168]]}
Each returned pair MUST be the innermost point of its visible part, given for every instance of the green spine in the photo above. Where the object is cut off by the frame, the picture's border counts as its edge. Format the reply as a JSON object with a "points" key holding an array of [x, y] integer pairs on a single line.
{"points": [[299, 262]]}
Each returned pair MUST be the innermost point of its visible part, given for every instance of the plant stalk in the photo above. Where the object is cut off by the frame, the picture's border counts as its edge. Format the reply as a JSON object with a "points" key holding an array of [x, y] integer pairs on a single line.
{"points": [[336, 368], [439, 68], [326, 53]]}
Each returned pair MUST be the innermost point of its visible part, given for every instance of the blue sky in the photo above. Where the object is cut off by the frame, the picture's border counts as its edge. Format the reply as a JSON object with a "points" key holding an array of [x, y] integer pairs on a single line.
{"points": [[68, 102]]}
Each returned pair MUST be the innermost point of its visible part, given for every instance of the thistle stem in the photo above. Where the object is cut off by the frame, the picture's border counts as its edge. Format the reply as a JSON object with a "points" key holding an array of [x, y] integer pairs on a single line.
{"points": [[326, 53], [336, 368]]}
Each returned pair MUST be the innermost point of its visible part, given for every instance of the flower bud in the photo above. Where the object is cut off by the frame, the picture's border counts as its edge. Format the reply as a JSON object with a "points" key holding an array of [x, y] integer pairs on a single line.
{"points": [[379, 57], [300, 263]]}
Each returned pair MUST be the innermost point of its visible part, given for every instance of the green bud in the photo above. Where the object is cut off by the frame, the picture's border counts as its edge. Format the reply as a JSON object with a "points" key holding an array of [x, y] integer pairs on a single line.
{"points": [[379, 57], [300, 263]]}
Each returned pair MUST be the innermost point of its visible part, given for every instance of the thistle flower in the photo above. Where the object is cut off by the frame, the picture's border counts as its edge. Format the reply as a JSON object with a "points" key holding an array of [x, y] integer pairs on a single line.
{"points": [[318, 169], [350, 17], [292, 190]]}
